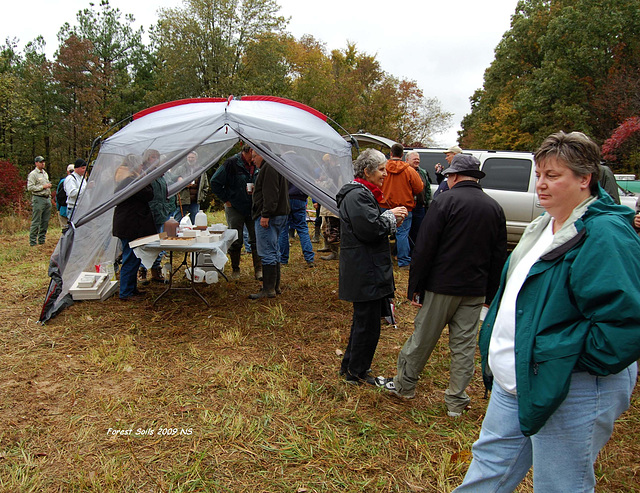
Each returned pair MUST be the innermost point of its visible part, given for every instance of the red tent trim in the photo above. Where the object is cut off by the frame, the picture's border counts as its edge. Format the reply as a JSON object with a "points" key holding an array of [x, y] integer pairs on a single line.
{"points": [[290, 102], [177, 102], [274, 99]]}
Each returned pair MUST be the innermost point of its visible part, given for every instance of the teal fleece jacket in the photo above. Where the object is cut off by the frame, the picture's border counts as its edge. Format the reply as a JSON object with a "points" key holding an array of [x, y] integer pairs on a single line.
{"points": [[578, 309]]}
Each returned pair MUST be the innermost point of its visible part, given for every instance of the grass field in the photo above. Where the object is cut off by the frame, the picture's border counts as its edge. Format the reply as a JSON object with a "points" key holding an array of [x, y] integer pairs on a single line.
{"points": [[243, 396]]}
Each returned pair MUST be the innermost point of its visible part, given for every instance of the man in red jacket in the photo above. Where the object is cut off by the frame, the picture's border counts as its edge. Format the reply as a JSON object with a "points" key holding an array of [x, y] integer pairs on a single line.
{"points": [[399, 189]]}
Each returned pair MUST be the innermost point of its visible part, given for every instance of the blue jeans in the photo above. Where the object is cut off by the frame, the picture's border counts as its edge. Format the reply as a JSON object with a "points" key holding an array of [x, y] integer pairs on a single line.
{"points": [[562, 453], [402, 241], [245, 239], [297, 220], [128, 270], [267, 239], [192, 209]]}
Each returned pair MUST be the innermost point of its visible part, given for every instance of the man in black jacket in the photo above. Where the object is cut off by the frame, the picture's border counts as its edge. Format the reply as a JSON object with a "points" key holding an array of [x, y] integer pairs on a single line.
{"points": [[458, 257], [269, 210], [233, 184]]}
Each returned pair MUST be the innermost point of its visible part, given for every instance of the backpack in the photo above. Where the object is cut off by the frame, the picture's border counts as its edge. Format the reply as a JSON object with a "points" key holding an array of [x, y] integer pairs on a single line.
{"points": [[61, 195]]}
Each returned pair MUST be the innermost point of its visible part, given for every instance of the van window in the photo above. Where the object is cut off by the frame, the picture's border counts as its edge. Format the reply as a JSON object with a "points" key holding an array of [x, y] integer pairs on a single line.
{"points": [[506, 174]]}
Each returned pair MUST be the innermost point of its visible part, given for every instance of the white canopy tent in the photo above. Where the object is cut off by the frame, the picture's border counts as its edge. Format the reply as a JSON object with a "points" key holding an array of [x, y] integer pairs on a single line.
{"points": [[294, 138]]}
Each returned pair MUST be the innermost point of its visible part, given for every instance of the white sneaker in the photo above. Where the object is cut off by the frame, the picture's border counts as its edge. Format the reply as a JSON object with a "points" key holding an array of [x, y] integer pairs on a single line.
{"points": [[390, 386]]}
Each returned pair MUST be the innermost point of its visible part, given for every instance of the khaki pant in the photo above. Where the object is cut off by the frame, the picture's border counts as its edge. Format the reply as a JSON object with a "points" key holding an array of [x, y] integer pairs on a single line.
{"points": [[461, 313], [41, 207], [63, 221]]}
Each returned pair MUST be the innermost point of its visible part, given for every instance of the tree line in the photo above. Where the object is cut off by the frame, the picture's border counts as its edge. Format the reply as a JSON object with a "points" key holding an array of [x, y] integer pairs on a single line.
{"points": [[563, 65], [102, 72]]}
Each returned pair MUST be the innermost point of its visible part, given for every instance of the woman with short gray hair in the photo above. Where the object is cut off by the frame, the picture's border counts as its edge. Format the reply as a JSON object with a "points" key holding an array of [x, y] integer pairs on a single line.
{"points": [[366, 271], [561, 338]]}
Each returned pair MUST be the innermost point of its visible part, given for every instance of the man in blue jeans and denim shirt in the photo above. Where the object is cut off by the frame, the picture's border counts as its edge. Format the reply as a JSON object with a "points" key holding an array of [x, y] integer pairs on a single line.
{"points": [[269, 210], [298, 221]]}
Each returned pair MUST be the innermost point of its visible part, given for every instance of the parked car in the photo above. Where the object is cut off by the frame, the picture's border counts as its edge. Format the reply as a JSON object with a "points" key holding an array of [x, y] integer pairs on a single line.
{"points": [[510, 180]]}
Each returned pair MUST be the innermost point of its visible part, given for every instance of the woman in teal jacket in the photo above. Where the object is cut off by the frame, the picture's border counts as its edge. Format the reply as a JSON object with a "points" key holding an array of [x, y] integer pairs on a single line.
{"points": [[562, 335]]}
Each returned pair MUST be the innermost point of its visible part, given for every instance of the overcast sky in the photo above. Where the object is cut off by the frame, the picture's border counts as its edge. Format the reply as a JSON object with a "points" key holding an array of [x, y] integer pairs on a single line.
{"points": [[443, 45]]}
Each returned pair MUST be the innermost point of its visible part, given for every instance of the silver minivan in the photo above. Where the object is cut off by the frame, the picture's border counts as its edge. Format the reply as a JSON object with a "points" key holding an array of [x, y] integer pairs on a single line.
{"points": [[510, 181]]}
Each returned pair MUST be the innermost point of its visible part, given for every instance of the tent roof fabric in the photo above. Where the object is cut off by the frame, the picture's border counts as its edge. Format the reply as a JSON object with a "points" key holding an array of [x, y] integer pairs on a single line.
{"points": [[294, 138], [179, 102]]}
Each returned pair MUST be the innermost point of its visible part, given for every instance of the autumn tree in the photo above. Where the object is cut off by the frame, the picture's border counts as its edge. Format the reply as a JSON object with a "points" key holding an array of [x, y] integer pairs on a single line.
{"points": [[312, 74], [420, 117], [623, 146], [80, 92], [352, 88], [117, 52], [549, 72]]}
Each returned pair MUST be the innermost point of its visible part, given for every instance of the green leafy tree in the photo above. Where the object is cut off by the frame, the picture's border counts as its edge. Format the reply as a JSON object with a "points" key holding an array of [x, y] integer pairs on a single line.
{"points": [[549, 73], [17, 113], [37, 87], [266, 67], [199, 48]]}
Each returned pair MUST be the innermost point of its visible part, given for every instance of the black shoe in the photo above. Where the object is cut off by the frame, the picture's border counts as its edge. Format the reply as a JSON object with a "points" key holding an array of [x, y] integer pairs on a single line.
{"points": [[369, 380], [343, 372]]}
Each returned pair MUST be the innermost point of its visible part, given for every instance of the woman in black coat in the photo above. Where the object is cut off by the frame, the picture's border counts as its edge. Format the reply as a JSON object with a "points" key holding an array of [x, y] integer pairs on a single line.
{"points": [[366, 270], [132, 219]]}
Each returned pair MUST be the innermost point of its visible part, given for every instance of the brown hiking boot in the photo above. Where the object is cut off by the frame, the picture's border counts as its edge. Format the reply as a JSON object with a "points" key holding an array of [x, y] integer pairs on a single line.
{"points": [[334, 253]]}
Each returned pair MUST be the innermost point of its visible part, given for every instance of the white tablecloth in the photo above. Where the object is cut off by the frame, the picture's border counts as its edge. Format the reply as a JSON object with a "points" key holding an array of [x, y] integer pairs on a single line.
{"points": [[218, 250]]}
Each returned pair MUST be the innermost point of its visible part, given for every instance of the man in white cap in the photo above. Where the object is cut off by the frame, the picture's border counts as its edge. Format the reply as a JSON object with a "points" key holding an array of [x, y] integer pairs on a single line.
{"points": [[449, 154], [74, 185], [40, 187], [61, 199], [455, 269]]}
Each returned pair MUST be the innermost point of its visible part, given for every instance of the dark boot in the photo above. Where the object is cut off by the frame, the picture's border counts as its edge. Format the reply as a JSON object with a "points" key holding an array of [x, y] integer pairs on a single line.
{"points": [[257, 265], [156, 275], [334, 254], [316, 235], [277, 287], [269, 273], [326, 247], [235, 264], [142, 275]]}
